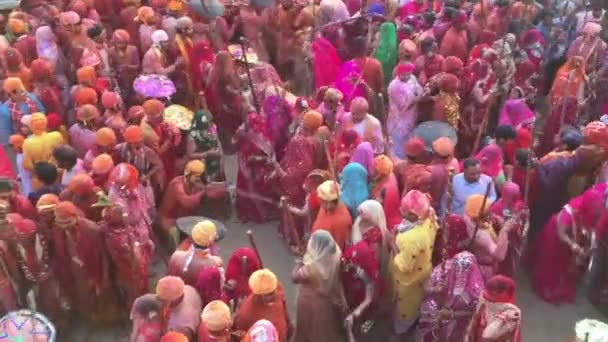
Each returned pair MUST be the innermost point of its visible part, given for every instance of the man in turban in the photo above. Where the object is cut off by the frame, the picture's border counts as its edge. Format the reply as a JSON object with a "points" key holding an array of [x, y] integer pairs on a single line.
{"points": [[266, 301], [188, 264], [367, 126], [39, 146], [25, 43], [181, 306], [413, 172], [80, 261], [112, 116], [386, 189], [161, 135], [105, 141], [403, 95], [155, 57], [333, 215], [182, 46], [100, 170], [20, 103], [216, 322], [145, 159], [590, 46], [182, 197], [11, 279], [125, 60], [129, 255], [82, 133], [82, 192], [455, 42]]}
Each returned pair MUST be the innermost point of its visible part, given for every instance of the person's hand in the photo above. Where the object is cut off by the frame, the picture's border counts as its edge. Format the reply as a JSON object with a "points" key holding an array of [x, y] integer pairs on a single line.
{"points": [[445, 314], [576, 249], [348, 322], [230, 284]]}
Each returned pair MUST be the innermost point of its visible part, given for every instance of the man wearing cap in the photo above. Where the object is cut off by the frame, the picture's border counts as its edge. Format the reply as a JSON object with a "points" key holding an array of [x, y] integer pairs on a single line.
{"points": [[333, 215], [266, 301], [39, 146], [181, 306], [182, 197], [188, 264], [216, 323]]}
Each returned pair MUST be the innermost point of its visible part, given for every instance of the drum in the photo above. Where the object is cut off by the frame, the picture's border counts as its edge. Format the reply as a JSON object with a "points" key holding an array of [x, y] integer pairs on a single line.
{"points": [[27, 326]]}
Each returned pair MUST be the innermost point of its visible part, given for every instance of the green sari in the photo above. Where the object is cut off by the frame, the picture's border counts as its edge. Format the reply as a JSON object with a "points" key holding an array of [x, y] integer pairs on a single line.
{"points": [[387, 50]]}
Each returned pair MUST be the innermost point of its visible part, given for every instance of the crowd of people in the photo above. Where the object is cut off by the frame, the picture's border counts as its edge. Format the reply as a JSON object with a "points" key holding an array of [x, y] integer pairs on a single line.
{"points": [[416, 154]]}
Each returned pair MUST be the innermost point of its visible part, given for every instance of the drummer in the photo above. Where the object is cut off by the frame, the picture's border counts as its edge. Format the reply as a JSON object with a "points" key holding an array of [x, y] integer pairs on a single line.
{"points": [[182, 198], [188, 264]]}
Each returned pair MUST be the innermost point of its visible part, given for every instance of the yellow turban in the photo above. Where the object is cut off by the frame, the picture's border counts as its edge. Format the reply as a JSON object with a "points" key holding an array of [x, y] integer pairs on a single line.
{"points": [[13, 84], [383, 165], [170, 288], [16, 26], [47, 200], [16, 140], [263, 282], [472, 207], [216, 316], [195, 167], [328, 191], [175, 6], [312, 120], [203, 233], [38, 123]]}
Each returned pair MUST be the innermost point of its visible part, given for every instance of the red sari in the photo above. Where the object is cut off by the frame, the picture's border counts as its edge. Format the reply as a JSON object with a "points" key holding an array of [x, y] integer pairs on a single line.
{"points": [[360, 267], [388, 190], [246, 258], [253, 191]]}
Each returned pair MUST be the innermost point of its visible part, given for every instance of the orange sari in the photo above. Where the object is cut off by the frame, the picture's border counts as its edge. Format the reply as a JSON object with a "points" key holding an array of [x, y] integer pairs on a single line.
{"points": [[569, 81]]}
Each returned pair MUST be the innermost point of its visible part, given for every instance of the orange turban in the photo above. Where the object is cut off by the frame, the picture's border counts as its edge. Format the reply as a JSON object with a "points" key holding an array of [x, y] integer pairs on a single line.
{"points": [[81, 184], [414, 147], [175, 6], [41, 69], [170, 288], [473, 206], [38, 123], [87, 112], [195, 167], [86, 74], [204, 233], [110, 99], [383, 165], [105, 137], [133, 134], [443, 147], [13, 84], [47, 200], [16, 26], [66, 209], [16, 140], [153, 107], [102, 164], [173, 336], [85, 96], [145, 14], [312, 120], [216, 316], [596, 133], [263, 282]]}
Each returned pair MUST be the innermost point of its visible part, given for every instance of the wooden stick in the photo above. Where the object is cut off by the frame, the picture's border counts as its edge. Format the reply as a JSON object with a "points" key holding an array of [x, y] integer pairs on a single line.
{"points": [[291, 226], [254, 246], [332, 167], [250, 81], [483, 204]]}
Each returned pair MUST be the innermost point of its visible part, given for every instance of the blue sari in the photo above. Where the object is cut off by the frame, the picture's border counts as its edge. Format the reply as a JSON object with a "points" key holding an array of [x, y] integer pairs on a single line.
{"points": [[354, 189]]}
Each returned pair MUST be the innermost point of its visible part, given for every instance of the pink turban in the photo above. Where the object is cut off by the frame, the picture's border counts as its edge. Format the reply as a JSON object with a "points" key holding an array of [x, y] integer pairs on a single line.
{"points": [[110, 100], [404, 68], [592, 29], [69, 18], [121, 36], [416, 203]]}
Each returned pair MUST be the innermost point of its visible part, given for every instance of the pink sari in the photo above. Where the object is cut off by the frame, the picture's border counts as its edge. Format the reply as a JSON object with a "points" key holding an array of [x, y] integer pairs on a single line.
{"points": [[350, 82], [555, 271], [326, 62], [515, 112]]}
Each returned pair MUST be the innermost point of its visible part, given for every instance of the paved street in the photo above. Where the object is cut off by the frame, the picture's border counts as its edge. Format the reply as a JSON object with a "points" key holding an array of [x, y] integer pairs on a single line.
{"points": [[541, 321]]}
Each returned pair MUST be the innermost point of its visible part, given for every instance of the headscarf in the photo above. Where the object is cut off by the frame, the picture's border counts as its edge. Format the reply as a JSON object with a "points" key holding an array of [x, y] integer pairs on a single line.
{"points": [[374, 211], [364, 155], [38, 123], [53, 121], [41, 70], [235, 271], [121, 36], [386, 51], [209, 284], [449, 83], [490, 159], [416, 203], [17, 26], [383, 165], [133, 134], [473, 206], [46, 44], [596, 133], [216, 316], [321, 262], [500, 289], [510, 191], [515, 112], [16, 140], [353, 183], [105, 137], [125, 174], [135, 112], [263, 282], [592, 29], [328, 191], [204, 233], [262, 331], [443, 147], [174, 336], [194, 167], [159, 36], [84, 96], [170, 288]]}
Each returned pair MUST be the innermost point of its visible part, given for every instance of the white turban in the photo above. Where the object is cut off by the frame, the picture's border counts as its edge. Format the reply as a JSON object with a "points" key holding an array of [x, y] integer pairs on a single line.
{"points": [[159, 36]]}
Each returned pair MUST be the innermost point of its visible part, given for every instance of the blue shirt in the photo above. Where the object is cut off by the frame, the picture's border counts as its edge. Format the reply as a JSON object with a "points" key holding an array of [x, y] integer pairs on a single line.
{"points": [[463, 189], [6, 122]]}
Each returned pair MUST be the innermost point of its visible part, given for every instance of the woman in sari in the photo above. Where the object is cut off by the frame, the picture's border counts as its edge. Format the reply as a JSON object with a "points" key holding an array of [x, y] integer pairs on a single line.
{"points": [[566, 108], [124, 59], [364, 155], [497, 317], [223, 96], [326, 62], [353, 187], [403, 93], [516, 113], [386, 51], [570, 81], [210, 285], [511, 205], [278, 117], [560, 253], [320, 298], [45, 88], [385, 189], [241, 264], [490, 160], [350, 82], [255, 151]]}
